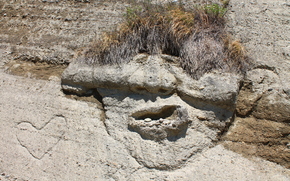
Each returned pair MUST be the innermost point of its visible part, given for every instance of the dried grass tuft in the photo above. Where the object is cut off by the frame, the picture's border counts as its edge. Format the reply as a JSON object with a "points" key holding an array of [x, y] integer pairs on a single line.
{"points": [[197, 36]]}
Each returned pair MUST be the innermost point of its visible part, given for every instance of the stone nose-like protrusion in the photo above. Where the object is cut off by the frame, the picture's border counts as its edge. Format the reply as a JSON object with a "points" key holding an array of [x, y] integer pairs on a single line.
{"points": [[152, 77]]}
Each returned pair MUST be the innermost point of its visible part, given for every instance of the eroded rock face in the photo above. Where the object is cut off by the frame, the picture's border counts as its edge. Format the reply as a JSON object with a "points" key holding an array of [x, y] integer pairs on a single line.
{"points": [[162, 115], [169, 122], [27, 32], [261, 127], [263, 96]]}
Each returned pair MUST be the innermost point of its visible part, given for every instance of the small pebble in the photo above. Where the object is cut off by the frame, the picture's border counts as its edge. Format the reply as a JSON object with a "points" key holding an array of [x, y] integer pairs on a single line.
{"points": [[147, 120]]}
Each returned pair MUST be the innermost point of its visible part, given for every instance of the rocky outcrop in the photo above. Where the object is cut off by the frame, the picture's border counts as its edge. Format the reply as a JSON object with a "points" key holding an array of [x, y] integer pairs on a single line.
{"points": [[263, 106], [262, 122], [144, 120], [155, 109], [47, 136], [264, 95]]}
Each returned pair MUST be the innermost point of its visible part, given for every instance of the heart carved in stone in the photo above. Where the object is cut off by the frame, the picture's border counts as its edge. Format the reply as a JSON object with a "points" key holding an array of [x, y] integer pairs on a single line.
{"points": [[39, 141]]}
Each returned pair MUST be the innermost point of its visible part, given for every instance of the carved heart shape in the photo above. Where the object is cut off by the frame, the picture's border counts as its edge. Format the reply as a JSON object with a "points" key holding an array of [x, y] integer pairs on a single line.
{"points": [[39, 141]]}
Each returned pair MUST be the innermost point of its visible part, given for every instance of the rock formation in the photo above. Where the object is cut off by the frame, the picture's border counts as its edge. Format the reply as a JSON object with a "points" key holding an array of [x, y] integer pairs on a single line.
{"points": [[263, 106], [145, 119], [155, 109]]}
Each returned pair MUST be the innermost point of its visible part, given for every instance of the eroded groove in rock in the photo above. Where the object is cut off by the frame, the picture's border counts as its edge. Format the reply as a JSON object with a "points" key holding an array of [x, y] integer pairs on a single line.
{"points": [[40, 141]]}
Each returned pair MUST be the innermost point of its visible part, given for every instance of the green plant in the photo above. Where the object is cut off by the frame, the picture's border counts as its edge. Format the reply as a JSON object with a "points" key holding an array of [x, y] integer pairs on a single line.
{"points": [[131, 13], [225, 3], [215, 10]]}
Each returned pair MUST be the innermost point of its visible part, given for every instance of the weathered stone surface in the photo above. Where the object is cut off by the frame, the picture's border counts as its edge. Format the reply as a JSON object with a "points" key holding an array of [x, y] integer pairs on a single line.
{"points": [[251, 130], [263, 27], [52, 31], [161, 115], [275, 106], [267, 139], [168, 122], [46, 136], [263, 106], [263, 96], [156, 74]]}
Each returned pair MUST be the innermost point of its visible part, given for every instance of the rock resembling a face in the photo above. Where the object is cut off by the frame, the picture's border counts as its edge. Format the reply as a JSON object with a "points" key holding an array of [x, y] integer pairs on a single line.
{"points": [[161, 115]]}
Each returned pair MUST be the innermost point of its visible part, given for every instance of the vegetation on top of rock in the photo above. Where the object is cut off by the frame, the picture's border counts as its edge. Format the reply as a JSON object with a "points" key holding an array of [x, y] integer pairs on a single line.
{"points": [[196, 35]]}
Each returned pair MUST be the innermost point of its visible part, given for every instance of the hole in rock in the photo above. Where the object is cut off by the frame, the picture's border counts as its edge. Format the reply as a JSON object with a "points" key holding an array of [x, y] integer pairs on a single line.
{"points": [[92, 96], [168, 122], [163, 91], [167, 112], [140, 89]]}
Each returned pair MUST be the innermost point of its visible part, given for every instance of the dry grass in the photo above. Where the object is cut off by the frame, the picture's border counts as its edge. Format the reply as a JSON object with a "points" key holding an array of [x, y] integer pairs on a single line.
{"points": [[197, 36]]}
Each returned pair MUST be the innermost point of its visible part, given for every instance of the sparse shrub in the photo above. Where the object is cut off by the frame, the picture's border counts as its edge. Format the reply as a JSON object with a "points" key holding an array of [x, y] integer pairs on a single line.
{"points": [[215, 10], [225, 3], [196, 36]]}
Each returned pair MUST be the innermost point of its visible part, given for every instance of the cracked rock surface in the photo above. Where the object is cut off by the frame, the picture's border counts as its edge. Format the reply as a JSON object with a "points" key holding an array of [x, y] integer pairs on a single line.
{"points": [[261, 127]]}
